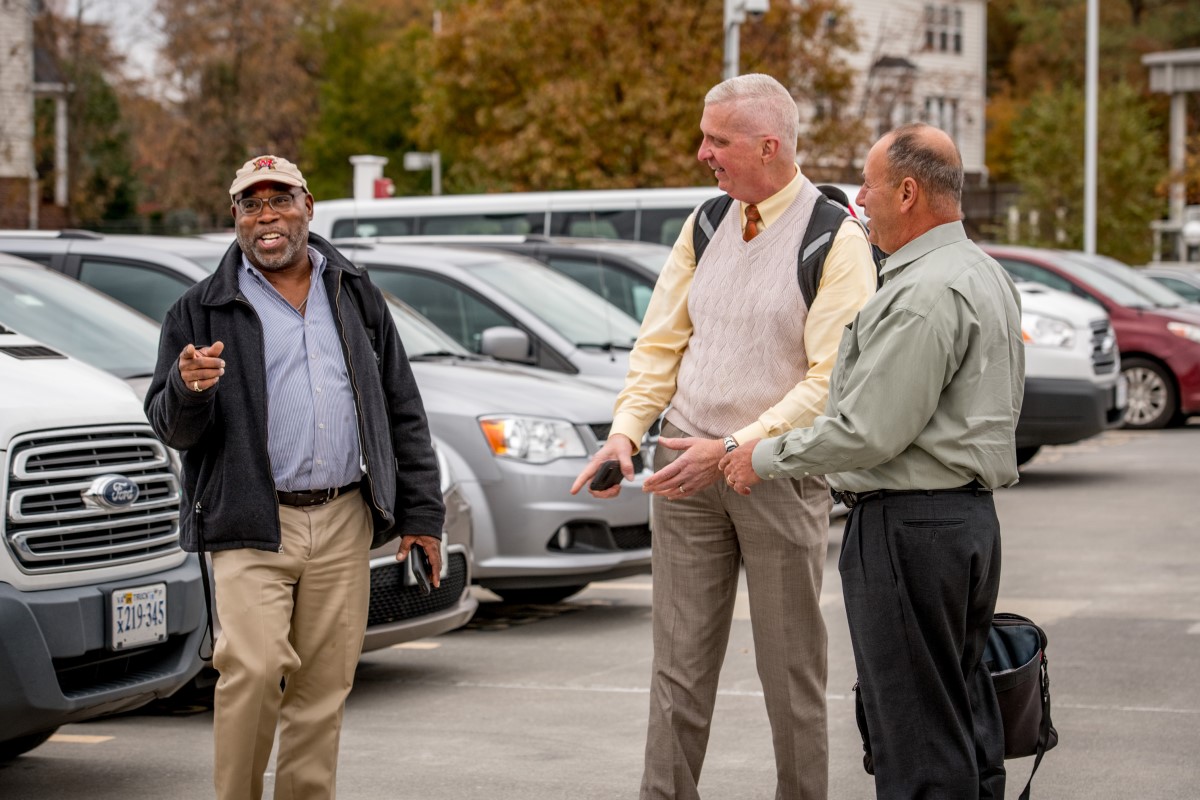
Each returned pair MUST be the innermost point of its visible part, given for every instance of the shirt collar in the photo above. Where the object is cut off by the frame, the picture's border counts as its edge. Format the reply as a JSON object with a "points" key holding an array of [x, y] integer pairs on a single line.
{"points": [[314, 257], [923, 245], [771, 208]]}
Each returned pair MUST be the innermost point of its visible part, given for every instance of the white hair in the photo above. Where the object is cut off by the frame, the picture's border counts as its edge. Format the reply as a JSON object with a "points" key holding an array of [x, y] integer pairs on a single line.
{"points": [[771, 106]]}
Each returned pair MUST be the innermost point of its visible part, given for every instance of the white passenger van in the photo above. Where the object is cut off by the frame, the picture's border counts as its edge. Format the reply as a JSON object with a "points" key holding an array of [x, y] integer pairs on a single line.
{"points": [[648, 215]]}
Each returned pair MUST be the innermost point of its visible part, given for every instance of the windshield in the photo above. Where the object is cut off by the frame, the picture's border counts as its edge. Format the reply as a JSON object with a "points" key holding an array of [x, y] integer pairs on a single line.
{"points": [[652, 257], [79, 321], [581, 316], [1119, 292], [1161, 295], [419, 335]]}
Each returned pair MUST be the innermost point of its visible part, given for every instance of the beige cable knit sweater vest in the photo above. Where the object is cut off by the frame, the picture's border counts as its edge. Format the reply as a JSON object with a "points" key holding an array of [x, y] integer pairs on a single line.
{"points": [[747, 346]]}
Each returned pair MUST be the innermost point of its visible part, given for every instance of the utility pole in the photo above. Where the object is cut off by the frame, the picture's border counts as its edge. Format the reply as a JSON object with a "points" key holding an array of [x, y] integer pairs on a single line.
{"points": [[736, 12]]}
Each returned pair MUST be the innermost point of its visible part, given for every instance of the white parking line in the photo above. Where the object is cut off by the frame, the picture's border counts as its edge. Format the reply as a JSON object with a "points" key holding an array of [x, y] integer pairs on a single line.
{"points": [[602, 689], [76, 738]]}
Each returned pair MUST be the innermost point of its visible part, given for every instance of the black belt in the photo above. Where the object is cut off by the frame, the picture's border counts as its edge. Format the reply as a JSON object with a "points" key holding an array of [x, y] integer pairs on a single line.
{"points": [[315, 497], [852, 499]]}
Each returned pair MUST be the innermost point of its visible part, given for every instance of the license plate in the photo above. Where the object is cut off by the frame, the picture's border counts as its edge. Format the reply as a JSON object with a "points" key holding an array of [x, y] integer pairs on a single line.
{"points": [[1121, 392], [139, 616]]}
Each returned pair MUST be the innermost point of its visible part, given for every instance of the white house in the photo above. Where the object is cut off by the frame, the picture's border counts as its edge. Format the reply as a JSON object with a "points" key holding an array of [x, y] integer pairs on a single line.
{"points": [[16, 113], [922, 61]]}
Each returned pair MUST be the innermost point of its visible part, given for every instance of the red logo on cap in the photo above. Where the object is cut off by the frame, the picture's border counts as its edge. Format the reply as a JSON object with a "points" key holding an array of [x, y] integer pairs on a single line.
{"points": [[264, 163]]}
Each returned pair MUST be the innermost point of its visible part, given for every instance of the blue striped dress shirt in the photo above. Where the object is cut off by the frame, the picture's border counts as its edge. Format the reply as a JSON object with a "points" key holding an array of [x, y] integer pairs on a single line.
{"points": [[312, 426]]}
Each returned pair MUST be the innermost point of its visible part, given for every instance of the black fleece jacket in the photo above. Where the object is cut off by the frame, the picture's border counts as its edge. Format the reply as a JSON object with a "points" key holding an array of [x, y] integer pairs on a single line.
{"points": [[228, 490]]}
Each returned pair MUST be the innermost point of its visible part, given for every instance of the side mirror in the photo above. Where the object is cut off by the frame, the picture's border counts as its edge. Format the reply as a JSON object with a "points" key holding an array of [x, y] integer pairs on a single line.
{"points": [[506, 344]]}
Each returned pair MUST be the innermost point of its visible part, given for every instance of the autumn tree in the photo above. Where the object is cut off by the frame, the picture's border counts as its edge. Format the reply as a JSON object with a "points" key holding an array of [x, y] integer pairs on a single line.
{"points": [[1037, 46], [1048, 164], [242, 83], [525, 95], [367, 90]]}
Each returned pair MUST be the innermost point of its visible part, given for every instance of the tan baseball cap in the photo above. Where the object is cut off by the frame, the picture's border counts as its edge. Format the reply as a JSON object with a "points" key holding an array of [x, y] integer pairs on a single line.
{"points": [[266, 169]]}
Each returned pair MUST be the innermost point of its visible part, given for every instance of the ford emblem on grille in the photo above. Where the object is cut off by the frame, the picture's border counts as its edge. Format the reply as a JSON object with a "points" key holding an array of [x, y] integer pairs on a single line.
{"points": [[111, 491]]}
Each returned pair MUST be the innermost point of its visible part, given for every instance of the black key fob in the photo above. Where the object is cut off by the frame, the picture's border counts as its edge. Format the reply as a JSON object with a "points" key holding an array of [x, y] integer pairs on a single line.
{"points": [[608, 476], [421, 569]]}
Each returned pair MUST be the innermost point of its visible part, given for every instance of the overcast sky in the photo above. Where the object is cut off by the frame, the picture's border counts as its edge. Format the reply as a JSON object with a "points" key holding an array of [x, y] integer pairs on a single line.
{"points": [[133, 27]]}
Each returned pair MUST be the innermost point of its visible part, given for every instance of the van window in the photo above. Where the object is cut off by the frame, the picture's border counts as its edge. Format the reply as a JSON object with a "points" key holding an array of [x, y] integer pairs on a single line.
{"points": [[596, 224], [375, 226], [483, 224], [662, 225]]}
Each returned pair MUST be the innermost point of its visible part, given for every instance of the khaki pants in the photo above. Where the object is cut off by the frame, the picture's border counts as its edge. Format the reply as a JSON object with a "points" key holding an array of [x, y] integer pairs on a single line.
{"points": [[297, 615], [780, 532]]}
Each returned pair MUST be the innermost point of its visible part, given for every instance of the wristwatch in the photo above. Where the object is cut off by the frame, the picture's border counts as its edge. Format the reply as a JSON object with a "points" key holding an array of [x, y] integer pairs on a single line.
{"points": [[730, 444]]}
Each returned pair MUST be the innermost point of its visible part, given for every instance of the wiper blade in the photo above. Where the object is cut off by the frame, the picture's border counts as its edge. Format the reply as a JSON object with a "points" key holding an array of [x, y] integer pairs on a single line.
{"points": [[606, 346], [439, 354]]}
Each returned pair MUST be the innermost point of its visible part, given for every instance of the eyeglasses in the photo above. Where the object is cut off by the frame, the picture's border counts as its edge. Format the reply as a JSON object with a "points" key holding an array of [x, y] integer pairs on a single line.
{"points": [[253, 206]]}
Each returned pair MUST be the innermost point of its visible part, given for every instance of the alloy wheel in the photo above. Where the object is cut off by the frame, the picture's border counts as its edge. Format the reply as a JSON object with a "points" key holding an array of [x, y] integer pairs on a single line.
{"points": [[1149, 398]]}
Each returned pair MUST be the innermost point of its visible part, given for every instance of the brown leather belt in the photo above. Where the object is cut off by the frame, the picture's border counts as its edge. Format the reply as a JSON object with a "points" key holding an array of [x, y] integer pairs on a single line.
{"points": [[315, 497], [852, 499]]}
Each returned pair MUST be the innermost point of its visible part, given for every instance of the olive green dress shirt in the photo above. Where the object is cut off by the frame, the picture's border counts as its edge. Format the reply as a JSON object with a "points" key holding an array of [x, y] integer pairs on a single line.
{"points": [[928, 383]]}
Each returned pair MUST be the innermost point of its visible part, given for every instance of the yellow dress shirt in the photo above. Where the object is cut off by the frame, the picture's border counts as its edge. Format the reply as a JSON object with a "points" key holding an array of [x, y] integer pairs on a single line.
{"points": [[847, 281]]}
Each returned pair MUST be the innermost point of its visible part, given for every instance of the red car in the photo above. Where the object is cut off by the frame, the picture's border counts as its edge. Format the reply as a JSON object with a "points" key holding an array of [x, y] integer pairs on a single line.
{"points": [[1159, 342]]}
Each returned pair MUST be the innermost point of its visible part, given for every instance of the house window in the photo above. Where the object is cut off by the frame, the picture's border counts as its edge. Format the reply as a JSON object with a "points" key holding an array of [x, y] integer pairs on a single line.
{"points": [[943, 29], [942, 112]]}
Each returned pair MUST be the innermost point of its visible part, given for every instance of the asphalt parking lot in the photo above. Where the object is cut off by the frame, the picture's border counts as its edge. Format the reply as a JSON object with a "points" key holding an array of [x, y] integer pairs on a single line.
{"points": [[1100, 547]]}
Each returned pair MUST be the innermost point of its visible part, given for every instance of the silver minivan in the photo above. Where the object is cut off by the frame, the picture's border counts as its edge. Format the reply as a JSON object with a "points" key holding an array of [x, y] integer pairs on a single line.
{"points": [[513, 435]]}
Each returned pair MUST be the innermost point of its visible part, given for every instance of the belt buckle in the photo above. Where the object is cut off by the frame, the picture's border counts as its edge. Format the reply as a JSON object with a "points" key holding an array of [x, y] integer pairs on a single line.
{"points": [[847, 499]]}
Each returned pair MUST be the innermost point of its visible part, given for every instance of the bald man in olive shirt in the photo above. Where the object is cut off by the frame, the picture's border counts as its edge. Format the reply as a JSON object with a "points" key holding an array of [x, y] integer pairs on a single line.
{"points": [[920, 427]]}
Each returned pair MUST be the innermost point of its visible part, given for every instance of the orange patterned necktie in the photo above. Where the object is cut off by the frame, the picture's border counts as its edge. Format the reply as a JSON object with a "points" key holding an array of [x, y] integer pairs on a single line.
{"points": [[752, 223]]}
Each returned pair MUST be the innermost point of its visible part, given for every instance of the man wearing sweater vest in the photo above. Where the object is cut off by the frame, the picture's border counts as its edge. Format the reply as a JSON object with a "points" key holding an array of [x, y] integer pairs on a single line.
{"points": [[730, 350], [920, 428]]}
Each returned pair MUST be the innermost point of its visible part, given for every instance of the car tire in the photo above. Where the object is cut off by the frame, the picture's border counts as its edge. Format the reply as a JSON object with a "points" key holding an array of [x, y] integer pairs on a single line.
{"points": [[23, 744], [1026, 454], [543, 595], [1152, 398]]}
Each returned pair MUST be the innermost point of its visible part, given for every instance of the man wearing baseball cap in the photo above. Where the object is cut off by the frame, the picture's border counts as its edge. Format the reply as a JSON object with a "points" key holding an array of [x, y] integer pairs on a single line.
{"points": [[284, 385]]}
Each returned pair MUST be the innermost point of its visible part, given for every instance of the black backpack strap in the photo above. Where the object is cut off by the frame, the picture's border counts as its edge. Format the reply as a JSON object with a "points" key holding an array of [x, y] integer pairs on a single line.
{"points": [[708, 217], [827, 217]]}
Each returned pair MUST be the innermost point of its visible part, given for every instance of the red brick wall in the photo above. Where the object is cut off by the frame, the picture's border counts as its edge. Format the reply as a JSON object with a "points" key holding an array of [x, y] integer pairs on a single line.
{"points": [[14, 202]]}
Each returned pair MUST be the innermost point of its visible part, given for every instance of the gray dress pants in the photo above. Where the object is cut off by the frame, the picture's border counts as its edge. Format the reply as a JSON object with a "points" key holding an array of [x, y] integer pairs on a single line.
{"points": [[780, 533]]}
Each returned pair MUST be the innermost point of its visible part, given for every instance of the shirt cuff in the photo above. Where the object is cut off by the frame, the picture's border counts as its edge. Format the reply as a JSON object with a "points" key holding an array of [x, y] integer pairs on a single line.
{"points": [[763, 460], [629, 429], [755, 430]]}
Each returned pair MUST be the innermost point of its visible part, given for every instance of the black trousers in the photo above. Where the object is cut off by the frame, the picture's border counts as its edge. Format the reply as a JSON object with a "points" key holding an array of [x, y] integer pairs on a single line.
{"points": [[920, 574]]}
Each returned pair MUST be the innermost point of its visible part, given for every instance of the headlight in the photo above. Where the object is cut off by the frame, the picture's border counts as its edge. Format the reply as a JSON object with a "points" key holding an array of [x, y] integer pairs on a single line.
{"points": [[534, 439], [1186, 331], [1044, 331]]}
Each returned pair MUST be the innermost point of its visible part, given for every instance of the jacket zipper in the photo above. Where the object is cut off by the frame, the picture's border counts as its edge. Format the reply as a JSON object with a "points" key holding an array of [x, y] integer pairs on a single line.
{"points": [[362, 442], [265, 407]]}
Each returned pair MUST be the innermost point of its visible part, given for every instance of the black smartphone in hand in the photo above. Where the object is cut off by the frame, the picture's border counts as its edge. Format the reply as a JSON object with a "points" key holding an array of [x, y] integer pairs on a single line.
{"points": [[608, 476], [421, 569]]}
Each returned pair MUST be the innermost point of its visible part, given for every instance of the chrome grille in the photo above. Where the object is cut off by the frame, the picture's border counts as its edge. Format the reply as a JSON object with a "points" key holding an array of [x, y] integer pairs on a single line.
{"points": [[49, 527], [1104, 347]]}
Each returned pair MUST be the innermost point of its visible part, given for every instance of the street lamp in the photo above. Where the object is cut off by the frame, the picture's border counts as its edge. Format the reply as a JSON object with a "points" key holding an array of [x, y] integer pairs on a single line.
{"points": [[416, 161], [736, 12]]}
